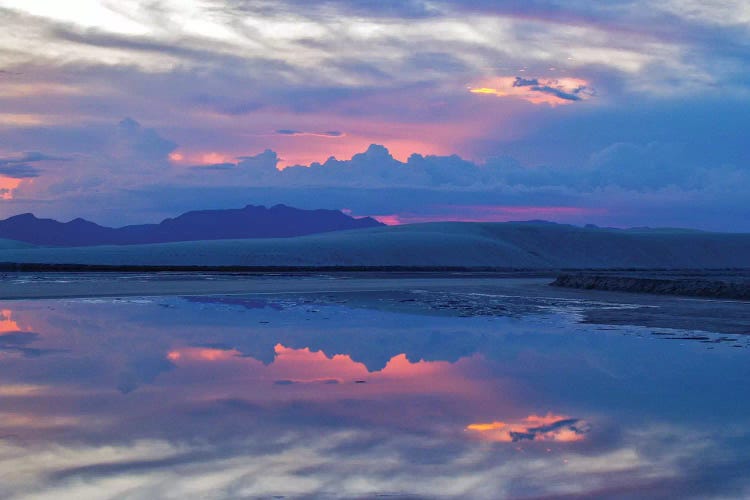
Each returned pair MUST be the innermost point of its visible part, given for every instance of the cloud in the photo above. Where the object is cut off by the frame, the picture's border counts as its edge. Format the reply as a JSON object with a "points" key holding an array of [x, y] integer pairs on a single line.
{"points": [[131, 140], [371, 8], [623, 183], [328, 133], [226, 79], [216, 420], [533, 428], [19, 171], [553, 87], [550, 91], [20, 167]]}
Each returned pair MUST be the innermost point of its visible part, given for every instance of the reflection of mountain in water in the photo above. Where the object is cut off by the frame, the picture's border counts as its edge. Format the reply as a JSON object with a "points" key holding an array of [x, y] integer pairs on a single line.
{"points": [[376, 346]]}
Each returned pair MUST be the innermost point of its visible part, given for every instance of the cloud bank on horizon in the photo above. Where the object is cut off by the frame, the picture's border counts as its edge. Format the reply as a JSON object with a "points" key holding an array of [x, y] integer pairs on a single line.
{"points": [[617, 113]]}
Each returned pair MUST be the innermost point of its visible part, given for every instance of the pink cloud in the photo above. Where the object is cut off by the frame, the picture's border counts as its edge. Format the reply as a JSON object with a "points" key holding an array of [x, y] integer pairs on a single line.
{"points": [[551, 91]]}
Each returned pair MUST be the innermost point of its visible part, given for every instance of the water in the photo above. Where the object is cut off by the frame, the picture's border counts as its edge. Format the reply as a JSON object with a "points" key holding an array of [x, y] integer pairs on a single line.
{"points": [[412, 395]]}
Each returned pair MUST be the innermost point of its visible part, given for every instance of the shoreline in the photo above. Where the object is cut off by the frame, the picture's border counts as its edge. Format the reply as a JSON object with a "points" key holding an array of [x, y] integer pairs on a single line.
{"points": [[188, 284]]}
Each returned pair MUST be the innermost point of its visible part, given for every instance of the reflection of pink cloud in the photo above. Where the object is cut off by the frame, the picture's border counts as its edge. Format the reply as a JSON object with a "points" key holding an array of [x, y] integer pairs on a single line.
{"points": [[533, 428], [6, 322], [489, 213], [300, 367]]}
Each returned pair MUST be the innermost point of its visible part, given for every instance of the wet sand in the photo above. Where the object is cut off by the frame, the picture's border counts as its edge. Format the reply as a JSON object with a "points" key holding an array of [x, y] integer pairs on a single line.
{"points": [[447, 293], [72, 285]]}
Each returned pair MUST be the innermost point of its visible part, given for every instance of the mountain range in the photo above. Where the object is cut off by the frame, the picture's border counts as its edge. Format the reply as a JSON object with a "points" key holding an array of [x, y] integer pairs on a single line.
{"points": [[279, 221]]}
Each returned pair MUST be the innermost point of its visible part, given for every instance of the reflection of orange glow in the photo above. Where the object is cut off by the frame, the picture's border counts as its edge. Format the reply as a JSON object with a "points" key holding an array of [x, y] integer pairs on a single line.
{"points": [[533, 428], [303, 366], [6, 322], [552, 93]]}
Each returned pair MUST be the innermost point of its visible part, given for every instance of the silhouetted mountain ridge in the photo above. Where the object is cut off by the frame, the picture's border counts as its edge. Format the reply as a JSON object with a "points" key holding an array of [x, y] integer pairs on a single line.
{"points": [[279, 221]]}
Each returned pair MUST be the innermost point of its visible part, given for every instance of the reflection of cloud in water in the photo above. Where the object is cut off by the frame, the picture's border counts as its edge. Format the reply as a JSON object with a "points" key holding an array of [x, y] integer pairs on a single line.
{"points": [[335, 464], [533, 428], [304, 366], [13, 339], [247, 303], [6, 322], [222, 400]]}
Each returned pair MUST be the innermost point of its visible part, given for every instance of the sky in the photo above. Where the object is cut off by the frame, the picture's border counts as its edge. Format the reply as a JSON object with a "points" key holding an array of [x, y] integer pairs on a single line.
{"points": [[622, 113]]}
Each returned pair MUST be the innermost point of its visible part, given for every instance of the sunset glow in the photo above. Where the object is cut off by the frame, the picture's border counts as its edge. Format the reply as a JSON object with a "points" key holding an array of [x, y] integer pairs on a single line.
{"points": [[552, 91], [549, 427], [532, 105]]}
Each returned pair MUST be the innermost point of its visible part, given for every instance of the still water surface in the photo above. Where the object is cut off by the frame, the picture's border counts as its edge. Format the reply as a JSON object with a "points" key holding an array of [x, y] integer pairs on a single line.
{"points": [[258, 397]]}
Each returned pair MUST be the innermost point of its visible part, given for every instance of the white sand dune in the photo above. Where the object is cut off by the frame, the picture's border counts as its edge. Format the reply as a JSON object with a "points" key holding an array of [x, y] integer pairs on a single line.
{"points": [[510, 245], [6, 244]]}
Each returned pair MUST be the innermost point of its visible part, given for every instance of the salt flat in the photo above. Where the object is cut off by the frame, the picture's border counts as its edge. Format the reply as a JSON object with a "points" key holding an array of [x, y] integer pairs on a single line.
{"points": [[376, 290]]}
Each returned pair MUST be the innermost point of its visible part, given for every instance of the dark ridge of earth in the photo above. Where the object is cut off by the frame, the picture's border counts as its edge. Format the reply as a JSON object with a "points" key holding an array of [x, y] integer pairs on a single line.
{"points": [[719, 289]]}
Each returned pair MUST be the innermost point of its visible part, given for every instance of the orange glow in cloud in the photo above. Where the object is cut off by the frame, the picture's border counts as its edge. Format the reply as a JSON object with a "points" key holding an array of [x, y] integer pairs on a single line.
{"points": [[213, 158], [551, 91], [308, 151], [23, 120], [532, 428], [7, 186], [305, 149], [401, 139], [198, 158], [389, 220], [201, 354]]}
